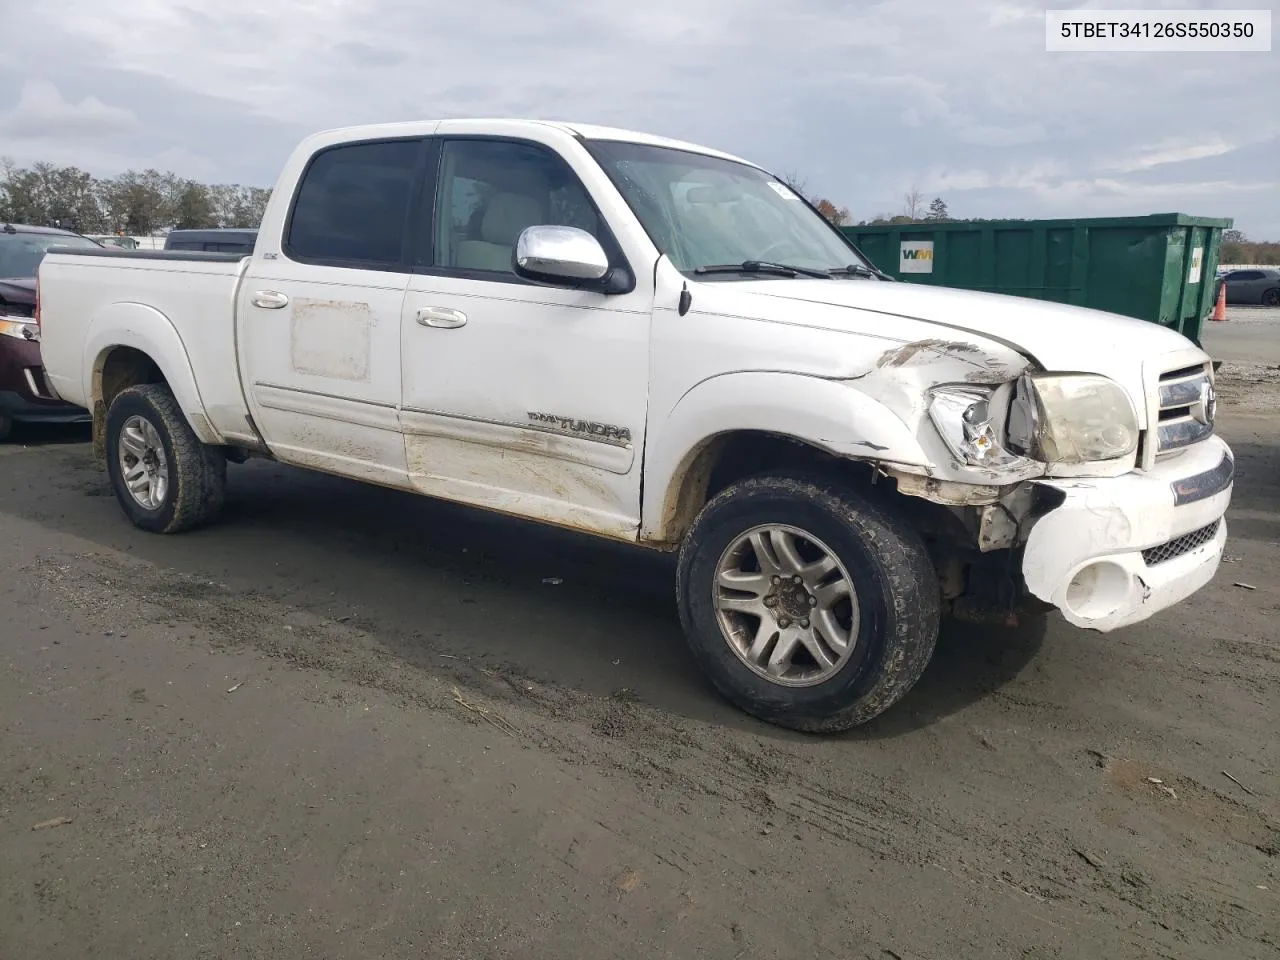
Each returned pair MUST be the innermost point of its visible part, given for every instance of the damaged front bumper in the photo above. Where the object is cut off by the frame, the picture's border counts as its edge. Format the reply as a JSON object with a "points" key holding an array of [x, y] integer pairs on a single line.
{"points": [[1117, 550]]}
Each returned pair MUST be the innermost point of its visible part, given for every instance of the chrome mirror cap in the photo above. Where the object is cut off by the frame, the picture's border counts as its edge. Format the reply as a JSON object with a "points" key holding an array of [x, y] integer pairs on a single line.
{"points": [[560, 253]]}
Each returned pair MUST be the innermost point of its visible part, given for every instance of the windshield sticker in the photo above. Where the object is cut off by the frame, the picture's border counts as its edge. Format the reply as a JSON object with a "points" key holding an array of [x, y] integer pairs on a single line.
{"points": [[782, 190]]}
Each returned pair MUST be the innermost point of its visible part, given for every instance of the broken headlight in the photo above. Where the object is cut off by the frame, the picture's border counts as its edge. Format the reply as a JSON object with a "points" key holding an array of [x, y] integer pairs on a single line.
{"points": [[964, 420], [1072, 418]]}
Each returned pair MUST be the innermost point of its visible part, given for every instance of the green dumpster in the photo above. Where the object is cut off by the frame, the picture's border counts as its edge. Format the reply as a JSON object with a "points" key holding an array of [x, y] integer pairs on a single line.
{"points": [[1158, 268]]}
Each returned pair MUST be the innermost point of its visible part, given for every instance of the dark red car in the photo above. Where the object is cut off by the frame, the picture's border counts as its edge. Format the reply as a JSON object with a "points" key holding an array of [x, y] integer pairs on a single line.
{"points": [[24, 395]]}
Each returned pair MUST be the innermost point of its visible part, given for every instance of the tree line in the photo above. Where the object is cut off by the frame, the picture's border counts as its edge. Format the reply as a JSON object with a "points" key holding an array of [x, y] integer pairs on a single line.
{"points": [[1237, 248], [137, 203], [146, 202]]}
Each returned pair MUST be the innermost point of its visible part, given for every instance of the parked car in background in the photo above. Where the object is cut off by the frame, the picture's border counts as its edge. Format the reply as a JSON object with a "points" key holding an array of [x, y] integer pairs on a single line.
{"points": [[24, 394], [1257, 287], [221, 240]]}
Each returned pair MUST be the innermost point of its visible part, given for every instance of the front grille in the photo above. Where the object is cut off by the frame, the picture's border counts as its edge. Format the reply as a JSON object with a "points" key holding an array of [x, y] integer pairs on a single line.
{"points": [[1176, 547], [1186, 408]]}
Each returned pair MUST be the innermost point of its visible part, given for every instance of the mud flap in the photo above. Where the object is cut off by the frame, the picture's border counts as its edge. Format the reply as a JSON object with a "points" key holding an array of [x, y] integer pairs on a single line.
{"points": [[100, 432]]}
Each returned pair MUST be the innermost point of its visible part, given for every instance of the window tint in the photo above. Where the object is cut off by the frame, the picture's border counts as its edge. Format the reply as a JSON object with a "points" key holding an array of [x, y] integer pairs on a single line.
{"points": [[1245, 275], [491, 190], [353, 204]]}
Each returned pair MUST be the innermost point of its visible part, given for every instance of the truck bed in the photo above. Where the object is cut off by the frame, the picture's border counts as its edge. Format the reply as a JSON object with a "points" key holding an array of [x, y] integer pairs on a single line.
{"points": [[185, 298]]}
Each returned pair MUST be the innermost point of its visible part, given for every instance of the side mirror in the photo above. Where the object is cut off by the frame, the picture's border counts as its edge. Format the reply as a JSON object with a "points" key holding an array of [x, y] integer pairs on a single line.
{"points": [[564, 255]]}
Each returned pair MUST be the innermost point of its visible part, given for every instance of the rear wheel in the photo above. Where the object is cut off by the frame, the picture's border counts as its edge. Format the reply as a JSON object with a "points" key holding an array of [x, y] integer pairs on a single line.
{"points": [[6, 426], [807, 606], [1271, 298], [164, 478]]}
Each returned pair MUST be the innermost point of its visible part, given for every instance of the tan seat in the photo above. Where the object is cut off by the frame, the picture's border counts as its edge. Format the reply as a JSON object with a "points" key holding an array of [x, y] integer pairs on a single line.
{"points": [[506, 217]]}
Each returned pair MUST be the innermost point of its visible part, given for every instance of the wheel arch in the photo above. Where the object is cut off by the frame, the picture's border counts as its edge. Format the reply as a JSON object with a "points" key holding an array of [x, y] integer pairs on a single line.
{"points": [[732, 425], [132, 343]]}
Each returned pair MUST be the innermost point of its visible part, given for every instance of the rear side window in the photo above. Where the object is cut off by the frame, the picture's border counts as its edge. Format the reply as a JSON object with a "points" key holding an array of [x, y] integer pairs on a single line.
{"points": [[353, 205]]}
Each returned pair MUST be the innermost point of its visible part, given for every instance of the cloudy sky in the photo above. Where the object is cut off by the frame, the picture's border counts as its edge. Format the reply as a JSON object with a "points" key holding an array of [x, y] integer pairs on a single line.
{"points": [[866, 100]]}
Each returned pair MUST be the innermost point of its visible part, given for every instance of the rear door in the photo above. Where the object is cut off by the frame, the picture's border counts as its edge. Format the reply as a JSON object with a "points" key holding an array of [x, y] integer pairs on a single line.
{"points": [[320, 316]]}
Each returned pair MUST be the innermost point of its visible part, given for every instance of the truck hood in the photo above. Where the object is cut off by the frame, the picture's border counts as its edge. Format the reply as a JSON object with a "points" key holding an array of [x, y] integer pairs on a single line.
{"points": [[1056, 336]]}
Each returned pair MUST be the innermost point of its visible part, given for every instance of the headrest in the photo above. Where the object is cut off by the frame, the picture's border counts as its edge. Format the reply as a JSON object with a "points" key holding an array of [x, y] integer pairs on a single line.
{"points": [[507, 216]]}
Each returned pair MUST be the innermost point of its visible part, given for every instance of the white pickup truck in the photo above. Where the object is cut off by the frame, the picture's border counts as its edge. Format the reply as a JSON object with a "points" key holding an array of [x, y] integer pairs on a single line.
{"points": [[659, 343]]}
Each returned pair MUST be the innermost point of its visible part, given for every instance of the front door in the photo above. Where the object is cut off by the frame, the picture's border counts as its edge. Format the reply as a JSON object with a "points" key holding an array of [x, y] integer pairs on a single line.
{"points": [[520, 397], [319, 318]]}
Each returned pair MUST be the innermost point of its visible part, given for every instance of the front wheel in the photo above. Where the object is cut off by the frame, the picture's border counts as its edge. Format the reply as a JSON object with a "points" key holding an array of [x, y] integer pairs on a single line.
{"points": [[165, 479], [806, 605], [1271, 298]]}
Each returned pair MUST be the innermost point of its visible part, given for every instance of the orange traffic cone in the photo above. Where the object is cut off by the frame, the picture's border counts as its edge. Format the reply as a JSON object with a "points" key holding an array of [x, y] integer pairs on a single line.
{"points": [[1220, 308]]}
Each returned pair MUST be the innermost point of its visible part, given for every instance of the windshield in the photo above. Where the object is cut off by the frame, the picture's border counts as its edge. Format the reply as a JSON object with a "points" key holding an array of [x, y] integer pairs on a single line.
{"points": [[21, 253], [703, 211]]}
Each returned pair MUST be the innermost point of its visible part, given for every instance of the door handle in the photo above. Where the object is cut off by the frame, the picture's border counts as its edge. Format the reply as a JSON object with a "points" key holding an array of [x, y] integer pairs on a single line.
{"points": [[444, 317], [269, 299]]}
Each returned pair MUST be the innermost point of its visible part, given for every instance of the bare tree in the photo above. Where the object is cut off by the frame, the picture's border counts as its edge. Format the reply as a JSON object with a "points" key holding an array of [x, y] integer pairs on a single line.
{"points": [[796, 181], [913, 204]]}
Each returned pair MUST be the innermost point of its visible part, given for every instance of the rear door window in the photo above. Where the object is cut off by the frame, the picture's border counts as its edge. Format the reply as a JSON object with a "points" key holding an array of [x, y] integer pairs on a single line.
{"points": [[352, 206]]}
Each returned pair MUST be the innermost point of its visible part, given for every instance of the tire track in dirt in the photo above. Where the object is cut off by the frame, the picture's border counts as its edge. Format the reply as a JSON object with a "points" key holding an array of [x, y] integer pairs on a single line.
{"points": [[676, 764]]}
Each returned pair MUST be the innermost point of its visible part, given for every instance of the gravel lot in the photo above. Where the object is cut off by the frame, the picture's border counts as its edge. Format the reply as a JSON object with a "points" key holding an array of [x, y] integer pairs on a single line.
{"points": [[1250, 335], [346, 722]]}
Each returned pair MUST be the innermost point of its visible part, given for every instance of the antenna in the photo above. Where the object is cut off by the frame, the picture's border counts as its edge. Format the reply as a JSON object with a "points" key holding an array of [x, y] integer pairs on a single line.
{"points": [[686, 300]]}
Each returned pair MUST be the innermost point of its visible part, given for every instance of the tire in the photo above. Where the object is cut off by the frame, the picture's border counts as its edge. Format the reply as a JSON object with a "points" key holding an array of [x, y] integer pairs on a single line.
{"points": [[194, 474], [6, 426], [1270, 298], [892, 628]]}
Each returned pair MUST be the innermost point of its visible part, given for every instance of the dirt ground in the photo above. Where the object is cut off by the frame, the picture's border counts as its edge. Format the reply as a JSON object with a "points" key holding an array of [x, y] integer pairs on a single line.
{"points": [[345, 722]]}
